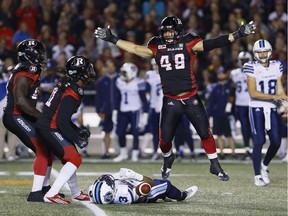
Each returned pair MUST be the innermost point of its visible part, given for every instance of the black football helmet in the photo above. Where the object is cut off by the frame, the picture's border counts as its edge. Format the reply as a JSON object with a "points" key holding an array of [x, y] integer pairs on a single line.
{"points": [[80, 68], [171, 23], [33, 51]]}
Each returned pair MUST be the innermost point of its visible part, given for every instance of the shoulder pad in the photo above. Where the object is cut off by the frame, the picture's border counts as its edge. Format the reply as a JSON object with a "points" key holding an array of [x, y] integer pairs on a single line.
{"points": [[190, 37], [154, 41], [27, 67]]}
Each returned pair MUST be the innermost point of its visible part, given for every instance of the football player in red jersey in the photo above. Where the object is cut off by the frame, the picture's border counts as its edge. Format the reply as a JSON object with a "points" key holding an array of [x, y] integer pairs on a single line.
{"points": [[175, 54], [55, 126], [20, 113]]}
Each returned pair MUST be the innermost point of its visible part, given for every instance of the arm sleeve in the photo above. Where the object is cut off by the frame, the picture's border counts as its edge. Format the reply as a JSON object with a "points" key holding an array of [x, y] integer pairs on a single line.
{"points": [[218, 42], [65, 112]]}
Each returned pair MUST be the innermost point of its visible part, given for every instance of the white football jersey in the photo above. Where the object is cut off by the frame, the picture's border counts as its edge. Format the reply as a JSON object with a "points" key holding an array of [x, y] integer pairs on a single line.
{"points": [[242, 97], [125, 191], [266, 80], [156, 94], [130, 99]]}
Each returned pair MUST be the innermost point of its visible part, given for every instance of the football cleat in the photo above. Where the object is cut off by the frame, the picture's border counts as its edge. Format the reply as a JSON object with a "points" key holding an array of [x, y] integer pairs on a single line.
{"points": [[56, 199], [45, 189], [166, 168], [265, 175], [120, 158], [188, 193], [82, 197], [216, 169], [258, 181], [36, 196]]}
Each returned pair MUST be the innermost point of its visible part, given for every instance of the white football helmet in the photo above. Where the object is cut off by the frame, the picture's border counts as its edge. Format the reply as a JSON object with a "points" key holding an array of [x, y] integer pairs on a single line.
{"points": [[128, 71], [262, 46], [103, 190], [244, 57]]}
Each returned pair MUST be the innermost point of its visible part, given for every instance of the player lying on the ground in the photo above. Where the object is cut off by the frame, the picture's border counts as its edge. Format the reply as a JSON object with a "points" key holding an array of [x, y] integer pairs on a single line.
{"points": [[129, 187]]}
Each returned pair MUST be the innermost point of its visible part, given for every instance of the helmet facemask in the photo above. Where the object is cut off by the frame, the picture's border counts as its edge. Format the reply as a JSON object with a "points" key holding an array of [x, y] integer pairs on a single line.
{"points": [[172, 24]]}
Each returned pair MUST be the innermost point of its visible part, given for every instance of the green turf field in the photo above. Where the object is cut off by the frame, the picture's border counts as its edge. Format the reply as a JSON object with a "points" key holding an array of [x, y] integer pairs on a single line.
{"points": [[238, 196]]}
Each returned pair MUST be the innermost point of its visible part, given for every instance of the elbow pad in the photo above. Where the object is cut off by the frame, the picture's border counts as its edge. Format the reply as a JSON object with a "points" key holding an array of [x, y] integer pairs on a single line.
{"points": [[218, 42]]}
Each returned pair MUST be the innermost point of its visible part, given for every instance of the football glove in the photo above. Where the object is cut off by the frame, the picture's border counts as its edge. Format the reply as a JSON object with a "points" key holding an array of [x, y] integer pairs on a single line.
{"points": [[244, 30], [125, 173], [106, 35], [115, 117], [82, 142], [143, 121], [84, 132]]}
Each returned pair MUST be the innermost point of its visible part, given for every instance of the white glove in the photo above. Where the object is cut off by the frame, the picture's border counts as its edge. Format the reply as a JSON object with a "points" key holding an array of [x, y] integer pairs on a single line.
{"points": [[143, 121], [228, 108], [114, 117], [125, 173]]}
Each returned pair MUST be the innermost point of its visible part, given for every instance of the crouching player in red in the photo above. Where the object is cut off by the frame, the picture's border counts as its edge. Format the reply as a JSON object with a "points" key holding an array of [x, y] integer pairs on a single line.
{"points": [[61, 135], [129, 187]]}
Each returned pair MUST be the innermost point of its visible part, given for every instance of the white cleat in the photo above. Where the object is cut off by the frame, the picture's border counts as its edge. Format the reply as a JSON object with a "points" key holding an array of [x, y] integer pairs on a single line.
{"points": [[120, 158], [265, 175], [191, 192], [258, 181]]}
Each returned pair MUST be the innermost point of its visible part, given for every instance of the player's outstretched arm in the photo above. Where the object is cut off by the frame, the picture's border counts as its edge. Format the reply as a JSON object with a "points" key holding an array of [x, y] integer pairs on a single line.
{"points": [[106, 34], [223, 40]]}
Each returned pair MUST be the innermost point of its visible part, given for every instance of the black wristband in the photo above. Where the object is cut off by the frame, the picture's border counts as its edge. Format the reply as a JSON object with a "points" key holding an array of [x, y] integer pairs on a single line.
{"points": [[218, 42], [114, 39], [236, 35]]}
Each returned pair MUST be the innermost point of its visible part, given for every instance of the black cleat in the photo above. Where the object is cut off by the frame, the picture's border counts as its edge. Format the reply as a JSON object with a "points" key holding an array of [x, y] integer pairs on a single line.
{"points": [[36, 196], [45, 189], [216, 169], [166, 168]]}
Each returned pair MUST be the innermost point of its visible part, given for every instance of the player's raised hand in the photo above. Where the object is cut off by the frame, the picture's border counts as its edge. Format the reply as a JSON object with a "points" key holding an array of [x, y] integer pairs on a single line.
{"points": [[106, 35], [245, 30]]}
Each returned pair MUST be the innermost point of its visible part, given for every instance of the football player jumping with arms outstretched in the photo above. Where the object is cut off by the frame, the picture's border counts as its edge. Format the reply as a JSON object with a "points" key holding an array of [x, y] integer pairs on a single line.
{"points": [[175, 54]]}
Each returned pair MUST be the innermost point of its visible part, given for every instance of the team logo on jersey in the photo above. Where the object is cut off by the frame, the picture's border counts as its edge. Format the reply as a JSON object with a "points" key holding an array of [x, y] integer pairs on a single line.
{"points": [[162, 46], [170, 103], [80, 91], [33, 69], [195, 102]]}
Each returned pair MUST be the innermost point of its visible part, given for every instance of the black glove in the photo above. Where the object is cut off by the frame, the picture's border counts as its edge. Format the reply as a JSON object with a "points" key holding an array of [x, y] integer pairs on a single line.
{"points": [[106, 35], [82, 142], [85, 132], [244, 30]]}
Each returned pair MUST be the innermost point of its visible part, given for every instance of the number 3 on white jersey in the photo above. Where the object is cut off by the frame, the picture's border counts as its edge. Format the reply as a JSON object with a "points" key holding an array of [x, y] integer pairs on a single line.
{"points": [[179, 62]]}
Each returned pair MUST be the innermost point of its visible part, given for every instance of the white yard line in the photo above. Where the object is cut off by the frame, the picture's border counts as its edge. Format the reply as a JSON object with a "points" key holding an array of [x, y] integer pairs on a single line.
{"points": [[94, 208]]}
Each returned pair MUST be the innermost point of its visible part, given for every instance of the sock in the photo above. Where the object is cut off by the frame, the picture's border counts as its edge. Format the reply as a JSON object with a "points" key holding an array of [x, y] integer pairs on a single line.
{"points": [[65, 174], [72, 182], [47, 176], [37, 183]]}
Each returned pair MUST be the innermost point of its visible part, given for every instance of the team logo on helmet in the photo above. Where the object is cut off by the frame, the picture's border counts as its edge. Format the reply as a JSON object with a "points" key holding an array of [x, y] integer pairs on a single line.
{"points": [[31, 43], [79, 62]]}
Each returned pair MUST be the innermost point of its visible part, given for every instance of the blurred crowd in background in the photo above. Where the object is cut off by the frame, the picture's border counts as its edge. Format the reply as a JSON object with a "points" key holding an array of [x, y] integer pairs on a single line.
{"points": [[66, 28]]}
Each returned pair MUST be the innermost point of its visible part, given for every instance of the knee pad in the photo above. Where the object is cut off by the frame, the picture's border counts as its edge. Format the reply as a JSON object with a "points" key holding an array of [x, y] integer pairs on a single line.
{"points": [[165, 147]]}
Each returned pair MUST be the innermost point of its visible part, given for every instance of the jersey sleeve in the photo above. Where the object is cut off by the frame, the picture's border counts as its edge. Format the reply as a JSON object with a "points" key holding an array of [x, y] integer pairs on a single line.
{"points": [[66, 109], [191, 40], [248, 69], [153, 44]]}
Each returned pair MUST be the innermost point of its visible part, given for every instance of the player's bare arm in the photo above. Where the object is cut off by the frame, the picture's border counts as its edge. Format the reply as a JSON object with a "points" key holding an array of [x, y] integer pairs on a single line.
{"points": [[223, 40], [106, 34], [251, 82]]}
